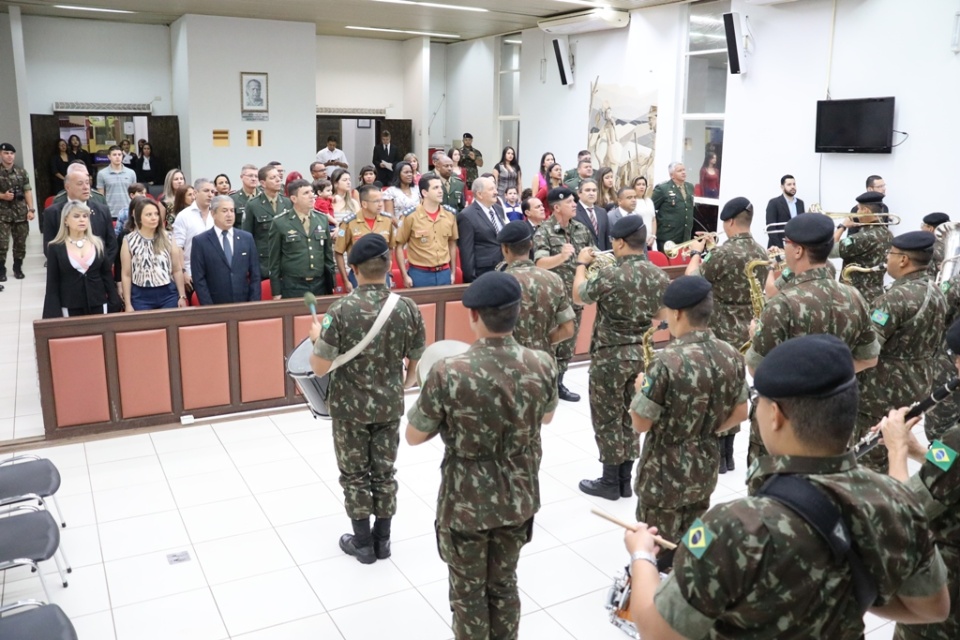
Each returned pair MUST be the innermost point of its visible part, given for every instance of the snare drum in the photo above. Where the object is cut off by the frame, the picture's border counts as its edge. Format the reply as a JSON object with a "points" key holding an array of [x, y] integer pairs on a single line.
{"points": [[313, 388], [617, 603]]}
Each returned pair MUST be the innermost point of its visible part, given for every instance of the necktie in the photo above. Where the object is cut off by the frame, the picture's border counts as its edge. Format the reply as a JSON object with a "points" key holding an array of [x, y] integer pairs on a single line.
{"points": [[306, 225], [593, 220], [495, 220], [227, 251], [683, 190]]}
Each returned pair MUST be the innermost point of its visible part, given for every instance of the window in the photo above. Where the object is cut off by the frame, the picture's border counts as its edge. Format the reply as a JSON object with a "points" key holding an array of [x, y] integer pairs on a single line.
{"points": [[509, 89]]}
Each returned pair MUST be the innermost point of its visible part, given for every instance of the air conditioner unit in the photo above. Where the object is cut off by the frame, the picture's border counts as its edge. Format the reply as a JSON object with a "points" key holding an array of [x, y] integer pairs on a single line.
{"points": [[585, 22]]}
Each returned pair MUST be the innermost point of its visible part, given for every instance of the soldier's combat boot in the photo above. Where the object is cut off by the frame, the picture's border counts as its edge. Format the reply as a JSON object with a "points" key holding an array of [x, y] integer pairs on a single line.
{"points": [[565, 394], [626, 491], [607, 486], [3, 273], [722, 445], [360, 544], [17, 269], [381, 538], [728, 451]]}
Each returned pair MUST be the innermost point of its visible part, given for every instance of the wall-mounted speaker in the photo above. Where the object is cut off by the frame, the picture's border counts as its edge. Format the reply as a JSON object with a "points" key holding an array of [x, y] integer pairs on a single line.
{"points": [[734, 37], [561, 50]]}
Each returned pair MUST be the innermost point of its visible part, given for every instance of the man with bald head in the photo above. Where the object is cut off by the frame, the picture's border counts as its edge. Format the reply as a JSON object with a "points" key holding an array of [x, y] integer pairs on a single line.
{"points": [[478, 226], [453, 187], [77, 189]]}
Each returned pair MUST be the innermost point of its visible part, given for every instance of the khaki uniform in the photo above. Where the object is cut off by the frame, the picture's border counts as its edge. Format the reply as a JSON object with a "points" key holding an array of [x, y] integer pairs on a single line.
{"points": [[300, 261], [354, 227], [428, 240]]}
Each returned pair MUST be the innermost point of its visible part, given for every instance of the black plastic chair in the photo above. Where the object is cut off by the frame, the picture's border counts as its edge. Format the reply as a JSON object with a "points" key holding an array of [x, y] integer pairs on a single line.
{"points": [[42, 622], [28, 536], [26, 474]]}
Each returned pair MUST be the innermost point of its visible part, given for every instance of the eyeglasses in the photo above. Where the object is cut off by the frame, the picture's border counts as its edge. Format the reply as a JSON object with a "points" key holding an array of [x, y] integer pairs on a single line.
{"points": [[895, 253], [377, 201], [753, 396]]}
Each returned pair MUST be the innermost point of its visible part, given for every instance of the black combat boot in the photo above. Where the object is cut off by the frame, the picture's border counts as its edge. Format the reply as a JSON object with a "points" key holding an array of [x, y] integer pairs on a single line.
{"points": [[722, 445], [3, 273], [381, 538], [626, 491], [728, 451], [565, 394], [607, 486], [18, 269], [360, 544]]}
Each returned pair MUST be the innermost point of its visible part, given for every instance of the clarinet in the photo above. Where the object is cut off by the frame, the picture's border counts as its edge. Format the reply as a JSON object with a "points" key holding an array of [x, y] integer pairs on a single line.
{"points": [[918, 408]]}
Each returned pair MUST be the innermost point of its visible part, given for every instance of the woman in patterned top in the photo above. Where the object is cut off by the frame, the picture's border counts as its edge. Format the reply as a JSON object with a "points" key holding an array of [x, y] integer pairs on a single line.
{"points": [[171, 184], [152, 264], [507, 172], [403, 193]]}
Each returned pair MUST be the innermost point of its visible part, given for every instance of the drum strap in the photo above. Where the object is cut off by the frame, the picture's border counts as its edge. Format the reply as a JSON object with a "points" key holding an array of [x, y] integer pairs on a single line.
{"points": [[381, 320], [800, 496]]}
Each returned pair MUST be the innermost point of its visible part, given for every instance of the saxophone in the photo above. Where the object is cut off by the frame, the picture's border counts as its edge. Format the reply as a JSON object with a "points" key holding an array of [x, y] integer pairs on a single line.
{"points": [[855, 268], [647, 342], [757, 300]]}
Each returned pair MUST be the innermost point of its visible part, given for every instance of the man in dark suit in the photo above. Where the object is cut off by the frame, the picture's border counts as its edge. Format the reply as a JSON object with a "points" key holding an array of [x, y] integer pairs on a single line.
{"points": [[478, 226], [591, 216], [782, 209], [224, 260], [385, 156], [77, 186]]}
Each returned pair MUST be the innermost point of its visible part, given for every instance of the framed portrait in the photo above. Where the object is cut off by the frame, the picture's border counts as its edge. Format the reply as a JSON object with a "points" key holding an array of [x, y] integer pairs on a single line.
{"points": [[364, 124], [254, 95]]}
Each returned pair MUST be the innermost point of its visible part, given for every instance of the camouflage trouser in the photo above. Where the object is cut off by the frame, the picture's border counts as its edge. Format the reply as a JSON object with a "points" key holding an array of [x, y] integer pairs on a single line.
{"points": [[876, 459], [483, 579], [18, 231], [947, 413], [611, 391], [671, 524], [565, 349], [365, 456], [756, 448]]}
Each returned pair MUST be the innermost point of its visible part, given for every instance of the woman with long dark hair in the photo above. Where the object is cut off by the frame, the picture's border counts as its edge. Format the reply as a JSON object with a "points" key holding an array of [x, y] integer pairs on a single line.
{"points": [[58, 167], [541, 180], [403, 192], [710, 176], [507, 171]]}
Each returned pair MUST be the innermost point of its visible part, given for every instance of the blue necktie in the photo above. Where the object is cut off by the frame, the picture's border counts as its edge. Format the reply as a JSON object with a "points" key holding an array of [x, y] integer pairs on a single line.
{"points": [[227, 251]]}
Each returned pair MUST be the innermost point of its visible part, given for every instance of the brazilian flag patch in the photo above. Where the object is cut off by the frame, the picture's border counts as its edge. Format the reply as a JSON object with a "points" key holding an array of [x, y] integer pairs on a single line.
{"points": [[941, 455], [945, 287], [647, 383], [879, 317], [327, 321], [706, 258], [698, 538]]}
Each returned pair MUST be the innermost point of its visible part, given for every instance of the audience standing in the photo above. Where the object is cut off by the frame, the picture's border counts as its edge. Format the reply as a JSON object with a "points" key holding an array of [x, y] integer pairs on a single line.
{"points": [[152, 264], [224, 260]]}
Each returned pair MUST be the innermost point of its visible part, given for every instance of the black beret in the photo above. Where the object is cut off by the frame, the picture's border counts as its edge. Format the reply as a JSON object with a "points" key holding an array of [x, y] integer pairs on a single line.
{"points": [[816, 366], [558, 194], [935, 219], [492, 290], [953, 338], [6, 146], [467, 135], [809, 229], [369, 246], [870, 197], [735, 207], [915, 241], [513, 232], [685, 292], [626, 226]]}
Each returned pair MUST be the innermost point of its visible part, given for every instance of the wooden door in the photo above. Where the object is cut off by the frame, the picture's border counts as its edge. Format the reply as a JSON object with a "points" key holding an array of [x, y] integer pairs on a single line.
{"points": [[163, 133], [401, 135], [46, 133]]}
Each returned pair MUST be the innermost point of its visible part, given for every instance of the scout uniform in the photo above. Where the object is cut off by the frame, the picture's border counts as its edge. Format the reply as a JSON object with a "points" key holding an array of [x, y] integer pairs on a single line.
{"points": [[300, 260], [674, 206], [257, 219], [427, 240]]}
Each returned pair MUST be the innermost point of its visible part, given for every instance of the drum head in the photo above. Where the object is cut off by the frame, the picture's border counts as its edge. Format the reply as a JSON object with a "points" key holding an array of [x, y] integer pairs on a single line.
{"points": [[298, 362], [314, 389], [436, 352]]}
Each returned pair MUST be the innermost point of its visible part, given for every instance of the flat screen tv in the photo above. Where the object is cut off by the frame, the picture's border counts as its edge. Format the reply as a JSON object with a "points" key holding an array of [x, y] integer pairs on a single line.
{"points": [[855, 126]]}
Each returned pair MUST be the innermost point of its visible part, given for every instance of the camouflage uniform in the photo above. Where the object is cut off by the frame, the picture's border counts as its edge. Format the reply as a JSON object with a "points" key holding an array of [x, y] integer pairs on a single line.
{"points": [[544, 307], [13, 215], [810, 302], [937, 487], [548, 241], [628, 295], [487, 404], [366, 394], [947, 413], [690, 389], [867, 248], [908, 321], [758, 570]]}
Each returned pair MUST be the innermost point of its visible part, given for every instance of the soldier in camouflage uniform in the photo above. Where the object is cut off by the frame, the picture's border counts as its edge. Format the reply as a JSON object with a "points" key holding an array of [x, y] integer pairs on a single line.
{"points": [[753, 568], [694, 390], [16, 210], [724, 268], [930, 223], [556, 244], [366, 395], [810, 301], [947, 413], [908, 321], [867, 248], [627, 295], [487, 405]]}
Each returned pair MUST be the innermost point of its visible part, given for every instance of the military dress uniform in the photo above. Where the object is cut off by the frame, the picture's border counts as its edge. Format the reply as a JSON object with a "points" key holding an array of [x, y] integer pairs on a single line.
{"points": [[427, 240], [548, 241], [453, 193], [868, 248], [240, 200], [13, 216], [908, 321], [300, 262], [257, 219], [674, 206]]}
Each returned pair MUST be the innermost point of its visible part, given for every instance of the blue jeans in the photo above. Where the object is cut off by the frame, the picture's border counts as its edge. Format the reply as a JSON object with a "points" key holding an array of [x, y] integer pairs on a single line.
{"points": [[423, 278], [353, 279], [147, 298]]}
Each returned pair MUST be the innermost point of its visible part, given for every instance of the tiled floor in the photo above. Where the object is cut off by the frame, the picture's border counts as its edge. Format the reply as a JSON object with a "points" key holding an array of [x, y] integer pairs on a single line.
{"points": [[257, 506]]}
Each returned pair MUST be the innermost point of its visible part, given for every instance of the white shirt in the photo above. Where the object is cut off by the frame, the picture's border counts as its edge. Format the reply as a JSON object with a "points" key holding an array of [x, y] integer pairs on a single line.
{"points": [[645, 209], [326, 156], [189, 223]]}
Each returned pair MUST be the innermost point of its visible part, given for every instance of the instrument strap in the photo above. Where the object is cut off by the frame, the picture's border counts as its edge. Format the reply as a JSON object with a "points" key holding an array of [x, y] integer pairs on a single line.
{"points": [[800, 496], [381, 320], [923, 307]]}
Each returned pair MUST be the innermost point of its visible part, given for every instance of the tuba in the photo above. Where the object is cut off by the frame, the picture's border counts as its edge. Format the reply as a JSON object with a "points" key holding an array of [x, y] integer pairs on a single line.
{"points": [[948, 234]]}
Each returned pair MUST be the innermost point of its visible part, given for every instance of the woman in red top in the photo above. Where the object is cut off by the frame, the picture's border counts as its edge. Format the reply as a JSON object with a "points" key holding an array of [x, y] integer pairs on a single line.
{"points": [[554, 179], [710, 177]]}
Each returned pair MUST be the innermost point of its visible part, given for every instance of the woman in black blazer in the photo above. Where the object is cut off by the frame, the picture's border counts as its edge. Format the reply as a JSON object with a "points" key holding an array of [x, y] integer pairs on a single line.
{"points": [[148, 168], [79, 280]]}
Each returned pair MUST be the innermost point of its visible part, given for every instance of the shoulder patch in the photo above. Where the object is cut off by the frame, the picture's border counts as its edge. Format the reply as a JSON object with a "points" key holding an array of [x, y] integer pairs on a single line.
{"points": [[349, 218], [847, 242], [408, 211], [879, 317], [327, 321], [341, 233], [945, 287], [698, 538], [450, 209], [647, 383], [941, 455], [706, 258]]}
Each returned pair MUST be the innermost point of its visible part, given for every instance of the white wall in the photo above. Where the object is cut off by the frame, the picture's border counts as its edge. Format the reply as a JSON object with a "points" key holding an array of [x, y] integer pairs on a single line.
{"points": [[437, 134], [209, 54], [416, 90], [9, 112], [357, 144], [96, 61], [360, 73], [472, 96]]}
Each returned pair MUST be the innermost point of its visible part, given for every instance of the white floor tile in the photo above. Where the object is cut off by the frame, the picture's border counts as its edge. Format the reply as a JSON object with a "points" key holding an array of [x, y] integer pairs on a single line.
{"points": [[129, 502], [86, 594], [299, 420], [247, 453], [410, 616], [311, 441], [76, 510], [141, 535], [585, 617], [243, 556], [313, 540], [297, 504], [248, 429], [64, 456], [539, 624], [184, 439], [283, 474], [120, 448], [192, 462], [205, 488], [30, 426], [125, 473], [319, 627], [571, 520], [538, 576], [338, 583], [192, 615], [150, 576], [224, 519], [418, 560], [95, 625], [265, 601]]}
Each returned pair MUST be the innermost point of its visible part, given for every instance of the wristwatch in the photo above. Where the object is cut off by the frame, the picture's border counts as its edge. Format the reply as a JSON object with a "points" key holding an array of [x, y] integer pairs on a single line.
{"points": [[31, 210], [583, 264], [643, 555], [696, 253], [841, 226]]}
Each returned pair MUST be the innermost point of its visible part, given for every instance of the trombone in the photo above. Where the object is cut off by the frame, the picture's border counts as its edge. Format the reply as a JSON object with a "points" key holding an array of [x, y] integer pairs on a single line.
{"points": [[672, 249], [886, 219]]}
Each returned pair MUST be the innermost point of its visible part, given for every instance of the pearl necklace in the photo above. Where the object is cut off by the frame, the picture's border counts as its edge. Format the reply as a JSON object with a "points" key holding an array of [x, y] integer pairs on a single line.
{"points": [[78, 243]]}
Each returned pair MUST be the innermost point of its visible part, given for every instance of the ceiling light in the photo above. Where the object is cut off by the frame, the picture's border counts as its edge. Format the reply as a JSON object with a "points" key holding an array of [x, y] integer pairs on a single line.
{"points": [[73, 8], [513, 42], [586, 3], [451, 36], [434, 5]]}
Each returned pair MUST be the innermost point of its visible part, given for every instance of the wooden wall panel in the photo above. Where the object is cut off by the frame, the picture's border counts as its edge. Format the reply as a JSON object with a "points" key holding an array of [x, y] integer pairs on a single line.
{"points": [[144, 372], [204, 368], [79, 380], [262, 370], [457, 323]]}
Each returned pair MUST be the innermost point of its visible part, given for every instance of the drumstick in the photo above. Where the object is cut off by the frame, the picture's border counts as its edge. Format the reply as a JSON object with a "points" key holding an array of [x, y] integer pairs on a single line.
{"points": [[666, 544], [311, 301]]}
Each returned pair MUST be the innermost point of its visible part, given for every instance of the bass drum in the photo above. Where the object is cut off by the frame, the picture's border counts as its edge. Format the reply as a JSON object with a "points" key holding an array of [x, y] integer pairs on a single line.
{"points": [[437, 352], [313, 388]]}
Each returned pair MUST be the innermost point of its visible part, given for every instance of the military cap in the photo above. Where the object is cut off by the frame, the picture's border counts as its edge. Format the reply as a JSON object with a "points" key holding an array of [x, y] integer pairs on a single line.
{"points": [[809, 229], [953, 338], [686, 291], [558, 194], [735, 207], [935, 219], [514, 232], [915, 241], [492, 290], [870, 197], [626, 226], [467, 135], [6, 146], [811, 366], [369, 246]]}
